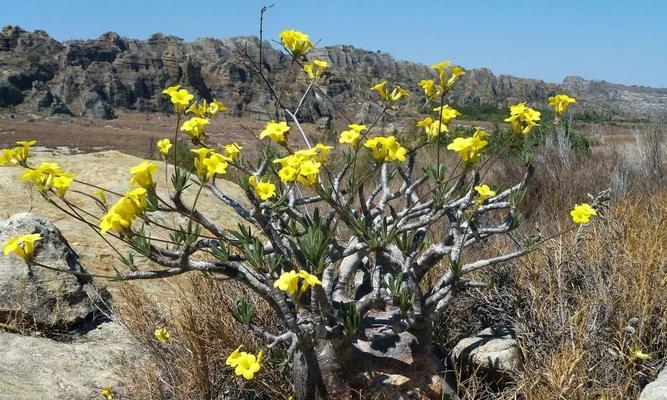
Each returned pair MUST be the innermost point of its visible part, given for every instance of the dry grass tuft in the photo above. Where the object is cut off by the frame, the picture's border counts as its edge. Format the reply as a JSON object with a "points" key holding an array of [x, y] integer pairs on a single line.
{"points": [[593, 305], [203, 333]]}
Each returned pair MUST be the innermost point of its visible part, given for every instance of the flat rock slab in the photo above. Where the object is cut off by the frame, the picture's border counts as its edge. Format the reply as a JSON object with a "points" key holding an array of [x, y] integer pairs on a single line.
{"points": [[44, 369]]}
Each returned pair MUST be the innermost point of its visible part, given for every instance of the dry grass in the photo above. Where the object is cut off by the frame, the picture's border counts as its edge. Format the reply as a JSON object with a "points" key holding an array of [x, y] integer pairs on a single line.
{"points": [[203, 333], [579, 311], [589, 306]]}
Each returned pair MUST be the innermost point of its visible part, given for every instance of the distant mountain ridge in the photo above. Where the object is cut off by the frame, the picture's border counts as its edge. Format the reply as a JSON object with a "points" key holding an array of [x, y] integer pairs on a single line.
{"points": [[97, 77]]}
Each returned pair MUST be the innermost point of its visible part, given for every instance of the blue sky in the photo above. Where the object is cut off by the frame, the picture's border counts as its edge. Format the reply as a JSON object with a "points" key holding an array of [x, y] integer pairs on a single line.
{"points": [[619, 41]]}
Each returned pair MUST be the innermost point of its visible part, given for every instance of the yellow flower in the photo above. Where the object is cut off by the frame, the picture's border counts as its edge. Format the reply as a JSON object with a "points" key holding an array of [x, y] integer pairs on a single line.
{"points": [[22, 152], [308, 173], [18, 155], [116, 221], [199, 110], [22, 245], [180, 98], [171, 89], [448, 75], [120, 216], [321, 64], [308, 280], [321, 152], [434, 127], [561, 102], [446, 113], [138, 197], [480, 133], [310, 70], [142, 174], [523, 118], [288, 174], [44, 177], [233, 150], [208, 163], [390, 97], [247, 364], [216, 107], [398, 93], [288, 282], [194, 127], [582, 213], [429, 86], [276, 131], [202, 172], [303, 165], [380, 88], [455, 73], [107, 393], [469, 148], [101, 195], [7, 157], [163, 146], [316, 68], [216, 164], [162, 335], [484, 192], [233, 359], [357, 127], [296, 42], [441, 68], [263, 189], [386, 149], [62, 183], [350, 137]]}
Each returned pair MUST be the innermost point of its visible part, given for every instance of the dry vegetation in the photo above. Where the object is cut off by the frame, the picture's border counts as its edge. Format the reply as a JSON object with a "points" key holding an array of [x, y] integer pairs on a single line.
{"points": [[581, 306]]}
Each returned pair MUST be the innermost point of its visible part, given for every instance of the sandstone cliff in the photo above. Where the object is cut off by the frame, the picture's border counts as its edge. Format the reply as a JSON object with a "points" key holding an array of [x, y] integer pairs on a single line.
{"points": [[93, 78]]}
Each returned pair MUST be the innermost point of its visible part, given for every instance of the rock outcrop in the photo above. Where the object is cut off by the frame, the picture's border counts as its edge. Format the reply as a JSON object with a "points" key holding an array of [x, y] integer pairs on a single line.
{"points": [[93, 78], [38, 297]]}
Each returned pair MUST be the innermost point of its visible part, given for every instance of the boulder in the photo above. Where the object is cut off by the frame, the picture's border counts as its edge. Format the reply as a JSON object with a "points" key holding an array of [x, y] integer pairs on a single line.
{"points": [[39, 297], [492, 352], [656, 390]]}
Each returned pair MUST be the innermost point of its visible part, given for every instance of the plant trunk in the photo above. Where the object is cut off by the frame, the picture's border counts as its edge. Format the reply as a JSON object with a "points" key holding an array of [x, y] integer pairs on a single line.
{"points": [[382, 362]]}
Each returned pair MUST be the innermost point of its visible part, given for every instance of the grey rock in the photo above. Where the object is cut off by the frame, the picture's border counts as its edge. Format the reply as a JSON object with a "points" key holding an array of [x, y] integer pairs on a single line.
{"points": [[656, 390], [493, 352], [39, 297], [58, 108], [42, 98], [10, 95], [94, 106]]}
